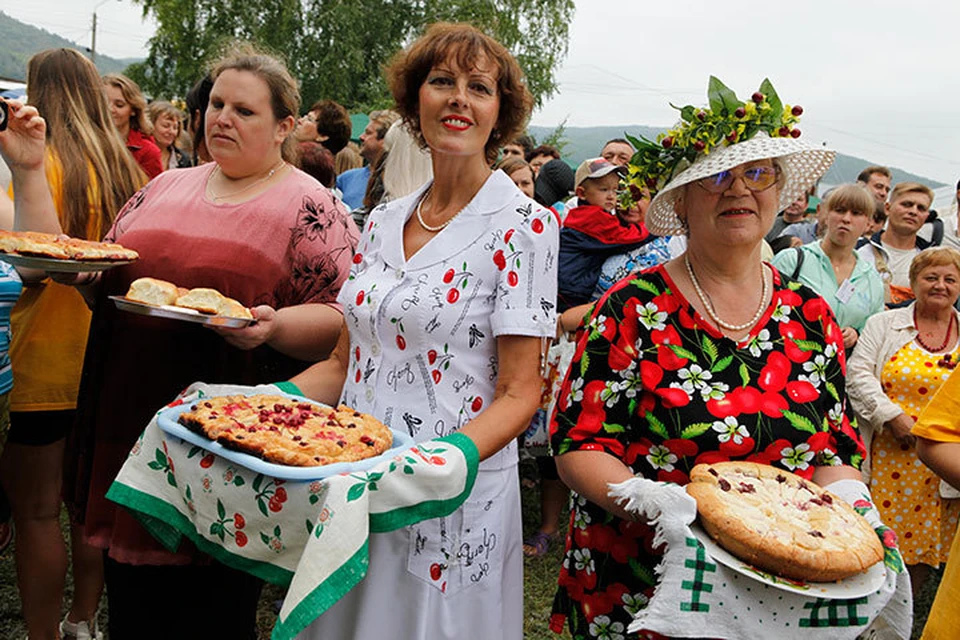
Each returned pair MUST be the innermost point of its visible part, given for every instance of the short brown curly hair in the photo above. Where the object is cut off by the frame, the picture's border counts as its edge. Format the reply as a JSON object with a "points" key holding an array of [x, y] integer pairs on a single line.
{"points": [[409, 68]]}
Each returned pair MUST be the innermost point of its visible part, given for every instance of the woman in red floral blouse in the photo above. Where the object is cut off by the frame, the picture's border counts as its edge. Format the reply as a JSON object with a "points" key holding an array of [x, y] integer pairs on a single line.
{"points": [[709, 357]]}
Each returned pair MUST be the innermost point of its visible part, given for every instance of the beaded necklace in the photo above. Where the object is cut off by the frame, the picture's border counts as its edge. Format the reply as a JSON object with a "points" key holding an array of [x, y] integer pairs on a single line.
{"points": [[946, 338], [709, 307], [439, 227]]}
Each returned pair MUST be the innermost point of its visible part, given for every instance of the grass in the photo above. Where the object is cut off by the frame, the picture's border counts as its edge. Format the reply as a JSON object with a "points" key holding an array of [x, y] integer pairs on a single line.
{"points": [[540, 576]]}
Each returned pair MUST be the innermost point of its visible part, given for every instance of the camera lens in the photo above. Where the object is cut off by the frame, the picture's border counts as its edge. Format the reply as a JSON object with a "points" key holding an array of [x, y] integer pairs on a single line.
{"points": [[3, 115]]}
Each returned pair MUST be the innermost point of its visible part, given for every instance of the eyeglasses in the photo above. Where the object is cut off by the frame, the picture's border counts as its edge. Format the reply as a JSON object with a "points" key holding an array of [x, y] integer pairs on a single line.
{"points": [[754, 179]]}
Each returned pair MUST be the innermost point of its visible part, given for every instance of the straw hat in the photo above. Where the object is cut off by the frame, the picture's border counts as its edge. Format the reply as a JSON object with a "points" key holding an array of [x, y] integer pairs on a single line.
{"points": [[801, 165], [707, 140]]}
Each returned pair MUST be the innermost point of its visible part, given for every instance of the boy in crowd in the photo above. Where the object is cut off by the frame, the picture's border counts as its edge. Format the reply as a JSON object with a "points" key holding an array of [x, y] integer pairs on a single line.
{"points": [[593, 231]]}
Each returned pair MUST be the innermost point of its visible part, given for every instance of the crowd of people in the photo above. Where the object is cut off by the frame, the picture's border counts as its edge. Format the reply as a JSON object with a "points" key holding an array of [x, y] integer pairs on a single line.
{"points": [[730, 289]]}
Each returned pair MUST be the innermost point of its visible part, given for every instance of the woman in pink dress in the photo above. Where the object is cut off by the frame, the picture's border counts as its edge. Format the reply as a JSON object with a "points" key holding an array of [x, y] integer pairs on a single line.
{"points": [[258, 230]]}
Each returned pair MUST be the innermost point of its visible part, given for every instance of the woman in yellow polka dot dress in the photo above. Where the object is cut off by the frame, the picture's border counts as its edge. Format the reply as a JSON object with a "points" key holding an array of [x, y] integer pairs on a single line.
{"points": [[901, 359]]}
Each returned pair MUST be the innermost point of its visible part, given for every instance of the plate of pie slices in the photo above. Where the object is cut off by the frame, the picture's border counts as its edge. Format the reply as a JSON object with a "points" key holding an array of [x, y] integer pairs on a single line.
{"points": [[49, 252], [61, 265], [856, 586], [172, 312], [298, 419]]}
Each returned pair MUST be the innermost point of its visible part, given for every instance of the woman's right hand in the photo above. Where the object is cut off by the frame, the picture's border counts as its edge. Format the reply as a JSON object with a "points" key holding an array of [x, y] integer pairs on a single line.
{"points": [[900, 428], [23, 144]]}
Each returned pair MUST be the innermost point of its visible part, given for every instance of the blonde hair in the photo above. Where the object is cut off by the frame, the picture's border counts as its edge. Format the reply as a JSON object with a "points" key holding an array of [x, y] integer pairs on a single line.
{"points": [[851, 197], [511, 164], [933, 257], [159, 108], [284, 94], [406, 165], [903, 188], [132, 94], [98, 173], [347, 158]]}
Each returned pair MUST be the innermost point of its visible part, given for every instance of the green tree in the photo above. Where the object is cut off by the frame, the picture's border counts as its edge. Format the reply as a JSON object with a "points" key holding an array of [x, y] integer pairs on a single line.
{"points": [[337, 48]]}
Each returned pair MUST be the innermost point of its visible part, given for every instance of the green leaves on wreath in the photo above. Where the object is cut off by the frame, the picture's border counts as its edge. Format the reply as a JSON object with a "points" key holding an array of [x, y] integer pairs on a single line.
{"points": [[776, 106], [721, 97]]}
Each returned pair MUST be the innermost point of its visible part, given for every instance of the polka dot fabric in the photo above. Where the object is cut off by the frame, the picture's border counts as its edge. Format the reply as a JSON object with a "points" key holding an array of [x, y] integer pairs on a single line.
{"points": [[904, 490]]}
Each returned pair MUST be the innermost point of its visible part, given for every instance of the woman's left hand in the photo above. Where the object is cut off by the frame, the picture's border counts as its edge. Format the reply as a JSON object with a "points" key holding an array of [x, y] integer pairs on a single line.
{"points": [[256, 334]]}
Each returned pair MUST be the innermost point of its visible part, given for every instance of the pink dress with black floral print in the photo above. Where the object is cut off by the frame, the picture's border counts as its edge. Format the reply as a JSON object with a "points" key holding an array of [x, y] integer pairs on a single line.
{"points": [[423, 358], [287, 246], [654, 385]]}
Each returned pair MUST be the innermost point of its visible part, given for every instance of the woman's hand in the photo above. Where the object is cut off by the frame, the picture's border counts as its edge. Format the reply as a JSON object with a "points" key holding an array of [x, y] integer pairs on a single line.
{"points": [[900, 428], [256, 334], [850, 337], [74, 279], [23, 143]]}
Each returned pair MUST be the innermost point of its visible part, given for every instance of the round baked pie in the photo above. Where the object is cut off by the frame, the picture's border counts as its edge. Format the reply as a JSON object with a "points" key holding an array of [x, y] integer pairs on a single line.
{"points": [[777, 521], [288, 431]]}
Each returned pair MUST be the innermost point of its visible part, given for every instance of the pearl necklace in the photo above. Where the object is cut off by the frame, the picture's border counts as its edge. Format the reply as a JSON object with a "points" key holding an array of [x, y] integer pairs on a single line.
{"points": [[439, 227], [709, 307], [246, 188], [946, 338]]}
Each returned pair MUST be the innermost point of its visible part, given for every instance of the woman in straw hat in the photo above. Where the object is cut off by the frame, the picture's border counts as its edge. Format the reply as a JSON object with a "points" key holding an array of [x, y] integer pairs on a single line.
{"points": [[708, 357]]}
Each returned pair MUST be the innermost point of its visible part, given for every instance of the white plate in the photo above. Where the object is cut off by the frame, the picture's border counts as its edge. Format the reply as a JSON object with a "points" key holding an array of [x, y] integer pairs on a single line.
{"points": [[167, 420], [60, 265], [180, 313], [856, 586]]}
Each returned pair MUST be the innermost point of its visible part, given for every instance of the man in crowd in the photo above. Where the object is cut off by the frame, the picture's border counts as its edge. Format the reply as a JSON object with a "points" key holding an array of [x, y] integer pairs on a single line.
{"points": [[541, 156], [617, 151], [795, 214], [519, 147], [892, 249], [353, 183], [877, 181]]}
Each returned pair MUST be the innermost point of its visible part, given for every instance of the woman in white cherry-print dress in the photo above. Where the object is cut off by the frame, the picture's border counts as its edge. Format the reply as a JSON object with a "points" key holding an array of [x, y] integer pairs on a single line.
{"points": [[451, 291]]}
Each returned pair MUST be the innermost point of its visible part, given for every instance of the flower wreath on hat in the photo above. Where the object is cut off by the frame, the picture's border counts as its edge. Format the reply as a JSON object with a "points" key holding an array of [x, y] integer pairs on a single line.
{"points": [[707, 141]]}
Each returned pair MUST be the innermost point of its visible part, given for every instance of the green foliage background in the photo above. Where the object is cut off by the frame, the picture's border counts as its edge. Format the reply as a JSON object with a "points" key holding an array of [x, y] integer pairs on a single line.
{"points": [[337, 48]]}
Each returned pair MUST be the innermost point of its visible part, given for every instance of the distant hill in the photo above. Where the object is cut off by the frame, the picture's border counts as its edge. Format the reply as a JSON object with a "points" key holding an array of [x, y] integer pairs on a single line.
{"points": [[19, 41], [586, 142]]}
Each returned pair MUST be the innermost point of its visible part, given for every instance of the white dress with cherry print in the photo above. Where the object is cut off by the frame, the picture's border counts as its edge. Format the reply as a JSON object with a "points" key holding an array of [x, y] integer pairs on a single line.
{"points": [[423, 358]]}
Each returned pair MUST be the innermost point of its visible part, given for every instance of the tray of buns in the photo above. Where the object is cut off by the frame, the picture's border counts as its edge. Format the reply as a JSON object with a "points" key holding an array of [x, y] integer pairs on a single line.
{"points": [[162, 299], [48, 252], [171, 420]]}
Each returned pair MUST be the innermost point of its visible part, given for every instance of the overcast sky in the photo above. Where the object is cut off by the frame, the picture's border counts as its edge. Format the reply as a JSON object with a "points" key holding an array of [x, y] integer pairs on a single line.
{"points": [[877, 79]]}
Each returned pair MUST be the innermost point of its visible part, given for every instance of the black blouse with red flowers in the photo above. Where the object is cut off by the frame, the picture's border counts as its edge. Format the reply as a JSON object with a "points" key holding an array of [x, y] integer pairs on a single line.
{"points": [[653, 384]]}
